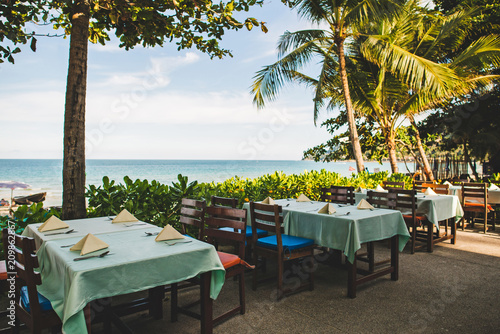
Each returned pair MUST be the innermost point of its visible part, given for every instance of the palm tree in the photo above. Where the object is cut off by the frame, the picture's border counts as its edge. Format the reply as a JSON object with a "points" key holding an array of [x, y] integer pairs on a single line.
{"points": [[342, 17]]}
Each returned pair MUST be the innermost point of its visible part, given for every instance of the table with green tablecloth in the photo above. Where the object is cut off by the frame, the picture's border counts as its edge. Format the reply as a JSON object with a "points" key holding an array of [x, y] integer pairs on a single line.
{"points": [[435, 208], [345, 232], [135, 263]]}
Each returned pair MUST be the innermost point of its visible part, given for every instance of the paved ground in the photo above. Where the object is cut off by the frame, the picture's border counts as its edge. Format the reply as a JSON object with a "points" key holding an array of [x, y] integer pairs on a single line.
{"points": [[455, 289]]}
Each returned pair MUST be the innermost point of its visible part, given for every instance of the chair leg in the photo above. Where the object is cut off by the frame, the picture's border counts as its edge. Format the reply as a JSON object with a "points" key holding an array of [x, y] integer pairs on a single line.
{"points": [[430, 232], [242, 292], [413, 238], [453, 231], [254, 276], [280, 279], [174, 312], [311, 274]]}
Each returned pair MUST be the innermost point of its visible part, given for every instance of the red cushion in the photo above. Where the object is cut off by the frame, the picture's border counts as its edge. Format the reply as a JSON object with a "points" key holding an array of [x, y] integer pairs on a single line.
{"points": [[3, 271], [481, 205], [418, 218], [231, 260]]}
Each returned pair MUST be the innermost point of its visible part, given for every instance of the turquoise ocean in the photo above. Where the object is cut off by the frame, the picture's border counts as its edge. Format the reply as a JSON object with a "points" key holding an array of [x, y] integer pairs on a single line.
{"points": [[46, 175]]}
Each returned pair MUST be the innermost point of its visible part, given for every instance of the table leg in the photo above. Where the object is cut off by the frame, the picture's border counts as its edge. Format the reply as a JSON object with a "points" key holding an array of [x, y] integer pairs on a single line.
{"points": [[395, 257], [453, 230], [156, 296], [206, 304], [351, 277]]}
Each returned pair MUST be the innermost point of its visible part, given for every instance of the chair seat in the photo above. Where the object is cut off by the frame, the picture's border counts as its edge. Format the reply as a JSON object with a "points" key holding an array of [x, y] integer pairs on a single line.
{"points": [[419, 219], [477, 205], [289, 242], [25, 300], [248, 232], [3, 271], [230, 260]]}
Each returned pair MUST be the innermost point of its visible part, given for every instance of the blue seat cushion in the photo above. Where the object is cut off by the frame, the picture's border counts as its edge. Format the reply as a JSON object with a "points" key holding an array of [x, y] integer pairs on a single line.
{"points": [[25, 301], [288, 241], [260, 233]]}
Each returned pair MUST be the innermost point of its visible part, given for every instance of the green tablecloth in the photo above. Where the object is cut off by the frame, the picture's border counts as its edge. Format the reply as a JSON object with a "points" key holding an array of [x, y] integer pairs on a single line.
{"points": [[137, 263], [434, 208], [81, 228], [338, 231]]}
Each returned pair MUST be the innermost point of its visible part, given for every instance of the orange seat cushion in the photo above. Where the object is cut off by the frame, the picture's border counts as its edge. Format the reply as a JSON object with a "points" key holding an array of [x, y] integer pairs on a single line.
{"points": [[3, 271], [419, 219], [231, 260], [480, 205]]}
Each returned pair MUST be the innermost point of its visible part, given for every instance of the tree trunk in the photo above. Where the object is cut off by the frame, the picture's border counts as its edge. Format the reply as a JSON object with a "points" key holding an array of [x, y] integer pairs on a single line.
{"points": [[353, 132], [74, 116], [391, 148], [421, 151]]}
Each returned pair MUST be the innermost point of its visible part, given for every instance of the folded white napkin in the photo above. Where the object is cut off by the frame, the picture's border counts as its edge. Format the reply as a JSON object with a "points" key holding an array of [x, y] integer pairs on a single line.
{"points": [[379, 188], [430, 192], [53, 223], [493, 187], [169, 233], [268, 200], [364, 205], [89, 244], [125, 217], [328, 209], [358, 190], [303, 198], [448, 183]]}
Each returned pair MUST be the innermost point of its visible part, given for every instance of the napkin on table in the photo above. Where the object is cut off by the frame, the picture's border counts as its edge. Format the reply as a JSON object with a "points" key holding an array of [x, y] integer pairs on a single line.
{"points": [[169, 233], [90, 243], [53, 223], [379, 188], [364, 205], [448, 183], [268, 200], [125, 217], [493, 187], [358, 190], [430, 192], [303, 198], [328, 209]]}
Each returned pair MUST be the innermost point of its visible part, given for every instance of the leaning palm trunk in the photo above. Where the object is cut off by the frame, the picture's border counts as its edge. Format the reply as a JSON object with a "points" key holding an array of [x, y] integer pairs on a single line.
{"points": [[391, 148], [353, 132], [74, 116], [421, 151]]}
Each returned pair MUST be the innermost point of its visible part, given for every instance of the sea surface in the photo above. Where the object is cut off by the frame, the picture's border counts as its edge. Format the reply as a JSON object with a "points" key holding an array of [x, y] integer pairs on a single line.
{"points": [[46, 175]]}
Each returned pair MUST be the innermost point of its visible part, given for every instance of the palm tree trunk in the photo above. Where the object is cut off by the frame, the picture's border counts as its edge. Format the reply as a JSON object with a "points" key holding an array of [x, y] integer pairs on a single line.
{"points": [[353, 132], [391, 148], [421, 151], [74, 116]]}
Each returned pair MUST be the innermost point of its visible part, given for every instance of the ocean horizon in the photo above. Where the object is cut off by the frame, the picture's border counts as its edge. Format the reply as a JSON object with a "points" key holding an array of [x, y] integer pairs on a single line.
{"points": [[45, 175]]}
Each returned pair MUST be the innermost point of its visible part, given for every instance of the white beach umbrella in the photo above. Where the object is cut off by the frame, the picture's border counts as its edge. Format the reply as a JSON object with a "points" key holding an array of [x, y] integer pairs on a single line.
{"points": [[13, 185]]}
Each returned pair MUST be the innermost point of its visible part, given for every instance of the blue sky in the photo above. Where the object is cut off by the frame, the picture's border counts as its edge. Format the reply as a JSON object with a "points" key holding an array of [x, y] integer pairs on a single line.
{"points": [[159, 103]]}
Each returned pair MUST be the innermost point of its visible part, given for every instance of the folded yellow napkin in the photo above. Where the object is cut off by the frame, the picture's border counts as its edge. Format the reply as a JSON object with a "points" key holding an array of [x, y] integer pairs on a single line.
{"points": [[303, 198], [448, 183], [268, 200], [125, 217], [89, 244], [493, 187], [169, 233], [429, 192], [53, 223], [328, 209], [358, 190], [379, 188], [364, 205]]}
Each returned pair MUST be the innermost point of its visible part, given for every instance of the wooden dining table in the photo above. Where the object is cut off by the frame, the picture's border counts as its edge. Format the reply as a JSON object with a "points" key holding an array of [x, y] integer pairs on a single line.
{"points": [[135, 263], [346, 230]]}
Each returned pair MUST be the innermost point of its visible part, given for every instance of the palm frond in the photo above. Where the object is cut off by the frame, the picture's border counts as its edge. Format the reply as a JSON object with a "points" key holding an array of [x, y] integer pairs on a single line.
{"points": [[291, 40]]}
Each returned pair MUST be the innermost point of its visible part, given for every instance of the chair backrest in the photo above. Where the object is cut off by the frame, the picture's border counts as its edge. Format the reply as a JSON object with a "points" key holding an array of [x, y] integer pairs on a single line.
{"points": [[25, 261], [390, 184], [338, 194], [193, 214], [437, 188], [405, 201], [267, 217], [223, 201], [384, 200], [235, 219], [474, 191], [417, 185]]}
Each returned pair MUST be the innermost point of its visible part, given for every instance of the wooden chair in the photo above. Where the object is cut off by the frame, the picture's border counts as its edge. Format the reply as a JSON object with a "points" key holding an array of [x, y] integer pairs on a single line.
{"points": [[232, 203], [390, 184], [338, 194], [32, 308], [417, 185], [472, 192], [235, 220], [441, 189], [421, 229], [282, 247], [193, 214]]}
